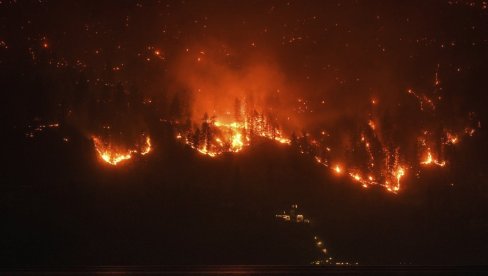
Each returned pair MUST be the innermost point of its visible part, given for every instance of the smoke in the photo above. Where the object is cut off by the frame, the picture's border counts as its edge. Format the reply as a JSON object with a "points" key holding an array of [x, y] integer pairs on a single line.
{"points": [[212, 75], [216, 77]]}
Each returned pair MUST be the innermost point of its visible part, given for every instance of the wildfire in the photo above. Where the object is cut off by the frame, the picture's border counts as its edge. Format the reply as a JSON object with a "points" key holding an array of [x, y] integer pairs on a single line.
{"points": [[372, 158], [383, 163], [358, 178], [217, 137], [147, 147], [114, 155], [400, 172], [237, 142], [423, 100], [338, 169], [108, 154], [452, 138], [429, 160]]}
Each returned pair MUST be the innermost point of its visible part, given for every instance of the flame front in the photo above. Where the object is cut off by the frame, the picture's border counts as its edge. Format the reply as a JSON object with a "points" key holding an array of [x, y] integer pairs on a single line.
{"points": [[147, 147], [429, 160], [384, 166], [375, 151], [217, 137], [114, 155]]}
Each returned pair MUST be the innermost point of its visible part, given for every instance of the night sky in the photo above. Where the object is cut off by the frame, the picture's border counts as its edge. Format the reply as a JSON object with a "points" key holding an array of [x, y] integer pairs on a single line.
{"points": [[174, 132]]}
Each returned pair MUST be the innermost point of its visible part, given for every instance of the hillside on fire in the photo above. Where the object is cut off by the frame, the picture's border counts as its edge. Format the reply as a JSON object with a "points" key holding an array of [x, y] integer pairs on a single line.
{"points": [[186, 133]]}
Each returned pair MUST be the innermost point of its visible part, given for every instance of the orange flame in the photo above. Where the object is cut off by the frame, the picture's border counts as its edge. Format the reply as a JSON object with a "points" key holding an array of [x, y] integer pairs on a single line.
{"points": [[113, 156], [234, 137], [429, 160], [338, 169]]}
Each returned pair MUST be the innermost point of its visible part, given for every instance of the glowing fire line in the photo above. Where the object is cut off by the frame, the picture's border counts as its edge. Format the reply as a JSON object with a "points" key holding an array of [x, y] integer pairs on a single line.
{"points": [[113, 156]]}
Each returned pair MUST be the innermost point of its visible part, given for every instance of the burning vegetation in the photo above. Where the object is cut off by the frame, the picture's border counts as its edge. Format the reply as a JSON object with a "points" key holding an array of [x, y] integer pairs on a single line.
{"points": [[220, 97], [371, 148], [225, 109], [215, 137], [371, 162], [371, 151], [113, 154]]}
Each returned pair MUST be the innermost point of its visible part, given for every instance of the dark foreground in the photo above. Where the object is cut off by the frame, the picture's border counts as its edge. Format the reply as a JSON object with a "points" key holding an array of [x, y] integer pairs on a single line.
{"points": [[61, 206], [300, 270]]}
